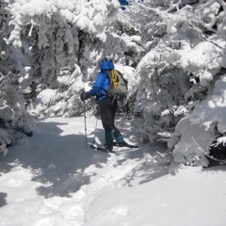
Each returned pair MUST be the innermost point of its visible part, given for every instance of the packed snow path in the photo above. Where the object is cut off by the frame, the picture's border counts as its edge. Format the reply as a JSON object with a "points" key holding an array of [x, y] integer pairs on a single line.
{"points": [[53, 179]]}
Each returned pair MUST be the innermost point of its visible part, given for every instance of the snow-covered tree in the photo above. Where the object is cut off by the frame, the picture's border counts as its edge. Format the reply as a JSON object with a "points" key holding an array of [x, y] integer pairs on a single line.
{"points": [[177, 76], [14, 119], [173, 54], [72, 36]]}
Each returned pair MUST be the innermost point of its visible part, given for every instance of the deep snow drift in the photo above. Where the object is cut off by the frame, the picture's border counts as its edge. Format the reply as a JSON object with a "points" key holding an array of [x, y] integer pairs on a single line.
{"points": [[53, 179]]}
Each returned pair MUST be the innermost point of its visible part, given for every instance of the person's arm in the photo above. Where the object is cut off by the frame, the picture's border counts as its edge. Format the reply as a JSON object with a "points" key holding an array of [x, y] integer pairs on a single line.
{"points": [[97, 85]]}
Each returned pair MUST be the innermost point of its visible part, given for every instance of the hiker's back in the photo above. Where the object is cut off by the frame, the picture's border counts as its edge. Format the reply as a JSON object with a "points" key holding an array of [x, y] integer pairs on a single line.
{"points": [[118, 85]]}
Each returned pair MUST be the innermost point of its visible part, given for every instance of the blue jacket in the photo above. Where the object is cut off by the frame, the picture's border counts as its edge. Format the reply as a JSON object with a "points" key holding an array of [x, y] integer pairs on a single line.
{"points": [[102, 83]]}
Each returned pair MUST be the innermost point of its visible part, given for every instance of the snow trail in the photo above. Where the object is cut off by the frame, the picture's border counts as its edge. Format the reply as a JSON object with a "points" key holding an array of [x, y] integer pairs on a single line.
{"points": [[53, 179]]}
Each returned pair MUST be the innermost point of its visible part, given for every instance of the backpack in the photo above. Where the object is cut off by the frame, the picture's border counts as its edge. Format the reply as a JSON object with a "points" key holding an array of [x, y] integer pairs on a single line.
{"points": [[118, 85]]}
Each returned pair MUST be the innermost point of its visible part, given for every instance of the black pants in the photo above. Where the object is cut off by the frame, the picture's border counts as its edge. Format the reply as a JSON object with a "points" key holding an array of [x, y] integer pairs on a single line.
{"points": [[107, 114]]}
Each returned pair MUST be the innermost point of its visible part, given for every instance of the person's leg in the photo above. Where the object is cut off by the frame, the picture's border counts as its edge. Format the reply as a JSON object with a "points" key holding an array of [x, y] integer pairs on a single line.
{"points": [[118, 136], [107, 122]]}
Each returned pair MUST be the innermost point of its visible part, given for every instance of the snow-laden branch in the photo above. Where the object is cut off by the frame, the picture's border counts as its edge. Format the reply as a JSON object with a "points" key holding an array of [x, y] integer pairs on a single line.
{"points": [[220, 140]]}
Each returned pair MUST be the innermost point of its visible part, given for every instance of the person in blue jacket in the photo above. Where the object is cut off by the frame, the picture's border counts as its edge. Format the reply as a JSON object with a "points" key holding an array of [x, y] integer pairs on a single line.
{"points": [[107, 105]]}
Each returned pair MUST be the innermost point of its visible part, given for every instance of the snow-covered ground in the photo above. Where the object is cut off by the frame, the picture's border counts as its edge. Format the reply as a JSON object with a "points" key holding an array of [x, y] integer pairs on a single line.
{"points": [[53, 179]]}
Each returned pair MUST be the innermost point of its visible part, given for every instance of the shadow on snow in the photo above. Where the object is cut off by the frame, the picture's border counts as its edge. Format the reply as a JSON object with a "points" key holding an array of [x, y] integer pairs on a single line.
{"points": [[3, 199], [60, 162], [57, 162]]}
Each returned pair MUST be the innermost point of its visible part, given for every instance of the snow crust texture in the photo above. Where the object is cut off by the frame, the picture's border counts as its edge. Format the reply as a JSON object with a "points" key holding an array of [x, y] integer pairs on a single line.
{"points": [[53, 179]]}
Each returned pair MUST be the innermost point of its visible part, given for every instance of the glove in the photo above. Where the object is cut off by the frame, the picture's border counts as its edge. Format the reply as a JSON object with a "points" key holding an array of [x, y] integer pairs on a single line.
{"points": [[84, 96]]}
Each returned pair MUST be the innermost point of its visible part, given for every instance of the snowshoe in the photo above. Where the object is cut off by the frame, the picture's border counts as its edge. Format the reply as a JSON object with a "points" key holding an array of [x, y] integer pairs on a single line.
{"points": [[102, 148], [124, 144], [106, 149]]}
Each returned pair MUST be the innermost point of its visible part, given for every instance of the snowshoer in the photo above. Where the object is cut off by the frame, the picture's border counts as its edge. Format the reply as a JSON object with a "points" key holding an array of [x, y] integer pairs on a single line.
{"points": [[107, 104]]}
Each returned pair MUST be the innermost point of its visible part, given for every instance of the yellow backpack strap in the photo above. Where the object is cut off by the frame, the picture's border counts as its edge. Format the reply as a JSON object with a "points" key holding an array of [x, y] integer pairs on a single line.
{"points": [[115, 79]]}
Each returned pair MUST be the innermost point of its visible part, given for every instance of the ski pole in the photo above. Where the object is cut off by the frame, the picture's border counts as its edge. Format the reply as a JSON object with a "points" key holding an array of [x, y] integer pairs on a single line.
{"points": [[86, 139], [94, 136]]}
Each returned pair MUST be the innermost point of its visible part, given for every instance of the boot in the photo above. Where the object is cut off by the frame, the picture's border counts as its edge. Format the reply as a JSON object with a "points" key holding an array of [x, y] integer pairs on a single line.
{"points": [[109, 147], [120, 141], [109, 141]]}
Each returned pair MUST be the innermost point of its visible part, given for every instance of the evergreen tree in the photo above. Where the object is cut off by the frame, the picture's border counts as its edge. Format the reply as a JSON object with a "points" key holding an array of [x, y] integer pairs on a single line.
{"points": [[59, 37], [177, 76], [14, 119]]}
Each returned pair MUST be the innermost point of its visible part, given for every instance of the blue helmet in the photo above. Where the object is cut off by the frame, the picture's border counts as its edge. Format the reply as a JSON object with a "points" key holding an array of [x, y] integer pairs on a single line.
{"points": [[106, 65]]}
